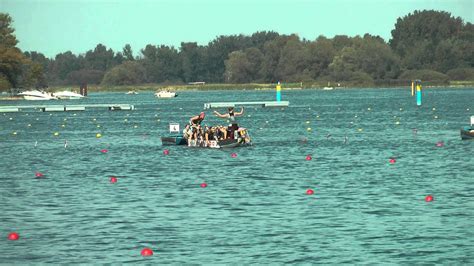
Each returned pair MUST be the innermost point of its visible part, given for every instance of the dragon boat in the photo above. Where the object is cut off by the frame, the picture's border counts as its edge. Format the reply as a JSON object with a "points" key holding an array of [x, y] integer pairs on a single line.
{"points": [[235, 138]]}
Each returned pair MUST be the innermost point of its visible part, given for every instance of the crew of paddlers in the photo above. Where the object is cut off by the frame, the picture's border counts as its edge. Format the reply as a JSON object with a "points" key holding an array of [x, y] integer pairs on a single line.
{"points": [[196, 134]]}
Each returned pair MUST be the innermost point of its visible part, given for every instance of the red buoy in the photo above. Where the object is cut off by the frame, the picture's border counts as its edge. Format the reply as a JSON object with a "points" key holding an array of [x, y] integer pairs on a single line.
{"points": [[113, 179], [146, 252], [308, 157], [166, 152], [104, 150], [439, 144], [309, 192], [203, 185], [429, 198], [13, 236], [38, 174], [392, 160], [233, 155]]}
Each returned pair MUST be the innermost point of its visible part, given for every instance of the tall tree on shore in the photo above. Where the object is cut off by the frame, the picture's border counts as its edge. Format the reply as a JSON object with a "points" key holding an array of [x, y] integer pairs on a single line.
{"points": [[11, 58]]}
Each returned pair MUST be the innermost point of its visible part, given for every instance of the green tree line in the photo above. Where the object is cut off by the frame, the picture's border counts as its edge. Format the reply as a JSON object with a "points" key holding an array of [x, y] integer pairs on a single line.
{"points": [[427, 45]]}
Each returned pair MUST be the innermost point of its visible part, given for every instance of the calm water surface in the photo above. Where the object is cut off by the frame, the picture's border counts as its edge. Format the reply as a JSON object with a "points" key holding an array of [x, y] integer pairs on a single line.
{"points": [[255, 208]]}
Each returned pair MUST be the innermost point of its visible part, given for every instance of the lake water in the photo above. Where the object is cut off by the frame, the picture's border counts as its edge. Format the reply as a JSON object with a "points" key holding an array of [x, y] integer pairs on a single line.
{"points": [[255, 209]]}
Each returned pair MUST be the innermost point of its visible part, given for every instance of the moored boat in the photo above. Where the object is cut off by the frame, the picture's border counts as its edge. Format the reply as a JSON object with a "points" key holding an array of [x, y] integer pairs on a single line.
{"points": [[68, 95], [36, 95], [166, 94]]}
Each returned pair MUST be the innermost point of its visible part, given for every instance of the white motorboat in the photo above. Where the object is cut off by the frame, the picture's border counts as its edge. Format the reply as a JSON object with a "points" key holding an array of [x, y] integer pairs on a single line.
{"points": [[131, 92], [68, 95], [165, 94], [36, 95]]}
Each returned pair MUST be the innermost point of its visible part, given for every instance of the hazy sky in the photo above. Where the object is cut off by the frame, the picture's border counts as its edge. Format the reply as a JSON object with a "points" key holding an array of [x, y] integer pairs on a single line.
{"points": [[54, 26]]}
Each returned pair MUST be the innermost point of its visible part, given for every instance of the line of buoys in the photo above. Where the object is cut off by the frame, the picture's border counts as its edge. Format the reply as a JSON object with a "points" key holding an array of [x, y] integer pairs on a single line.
{"points": [[429, 198], [309, 192], [146, 252], [13, 236]]}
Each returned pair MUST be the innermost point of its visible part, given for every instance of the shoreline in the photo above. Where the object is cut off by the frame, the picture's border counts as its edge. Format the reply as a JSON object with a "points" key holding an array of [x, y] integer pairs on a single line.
{"points": [[226, 87]]}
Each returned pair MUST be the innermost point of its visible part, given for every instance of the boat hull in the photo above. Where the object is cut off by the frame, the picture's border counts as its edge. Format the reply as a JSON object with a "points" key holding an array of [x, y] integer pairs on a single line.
{"points": [[467, 133], [174, 140]]}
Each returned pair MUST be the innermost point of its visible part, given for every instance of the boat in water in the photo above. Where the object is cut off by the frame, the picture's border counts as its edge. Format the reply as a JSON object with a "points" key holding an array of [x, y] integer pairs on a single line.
{"points": [[236, 138], [166, 94], [467, 132], [36, 95], [132, 92], [68, 95]]}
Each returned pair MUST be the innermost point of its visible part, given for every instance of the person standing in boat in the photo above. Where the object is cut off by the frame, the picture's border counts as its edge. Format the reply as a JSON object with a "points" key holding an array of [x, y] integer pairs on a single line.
{"points": [[195, 123], [231, 116]]}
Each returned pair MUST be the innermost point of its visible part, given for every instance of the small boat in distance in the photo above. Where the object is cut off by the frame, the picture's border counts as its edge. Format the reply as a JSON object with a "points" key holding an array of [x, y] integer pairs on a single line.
{"points": [[68, 95], [467, 132], [132, 92], [328, 88], [165, 94], [36, 95]]}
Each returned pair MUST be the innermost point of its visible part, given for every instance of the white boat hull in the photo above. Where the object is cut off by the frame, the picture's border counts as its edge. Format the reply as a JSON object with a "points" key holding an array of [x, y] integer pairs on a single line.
{"points": [[165, 94]]}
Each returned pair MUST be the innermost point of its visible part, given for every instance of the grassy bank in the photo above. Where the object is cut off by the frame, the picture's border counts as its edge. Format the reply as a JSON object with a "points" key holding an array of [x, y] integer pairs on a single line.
{"points": [[250, 86]]}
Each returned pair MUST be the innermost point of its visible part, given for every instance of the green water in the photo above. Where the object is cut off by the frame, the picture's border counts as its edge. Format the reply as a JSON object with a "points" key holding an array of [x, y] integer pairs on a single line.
{"points": [[255, 209]]}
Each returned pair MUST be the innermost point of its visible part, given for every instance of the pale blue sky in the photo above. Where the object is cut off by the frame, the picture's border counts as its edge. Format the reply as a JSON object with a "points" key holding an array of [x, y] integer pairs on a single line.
{"points": [[53, 26]]}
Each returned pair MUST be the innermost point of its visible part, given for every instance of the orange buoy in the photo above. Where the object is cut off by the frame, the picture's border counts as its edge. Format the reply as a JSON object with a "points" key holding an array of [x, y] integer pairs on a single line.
{"points": [[38, 174], [166, 152], [113, 179], [429, 198], [439, 144], [392, 161], [203, 185], [13, 236], [308, 157], [104, 150], [233, 155], [146, 252], [309, 192]]}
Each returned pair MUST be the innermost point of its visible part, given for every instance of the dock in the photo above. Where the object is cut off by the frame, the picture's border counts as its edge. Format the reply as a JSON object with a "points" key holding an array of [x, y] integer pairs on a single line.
{"points": [[234, 104], [64, 108]]}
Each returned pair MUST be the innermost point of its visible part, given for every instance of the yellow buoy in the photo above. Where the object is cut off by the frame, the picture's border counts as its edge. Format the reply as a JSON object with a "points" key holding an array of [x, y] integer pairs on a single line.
{"points": [[56, 133], [135, 126], [360, 129], [398, 122], [98, 135], [309, 129], [434, 109], [14, 133], [98, 125], [63, 125], [29, 125], [11, 118], [65, 119], [307, 122], [368, 109], [436, 117]]}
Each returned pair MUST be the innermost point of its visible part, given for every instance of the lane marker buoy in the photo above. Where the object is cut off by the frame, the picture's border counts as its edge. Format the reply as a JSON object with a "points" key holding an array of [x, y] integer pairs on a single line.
{"points": [[309, 192], [429, 198], [146, 252], [13, 236]]}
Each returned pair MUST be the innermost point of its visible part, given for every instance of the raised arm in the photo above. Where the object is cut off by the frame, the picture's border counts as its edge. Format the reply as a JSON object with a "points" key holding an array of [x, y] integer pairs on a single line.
{"points": [[220, 115], [241, 112]]}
